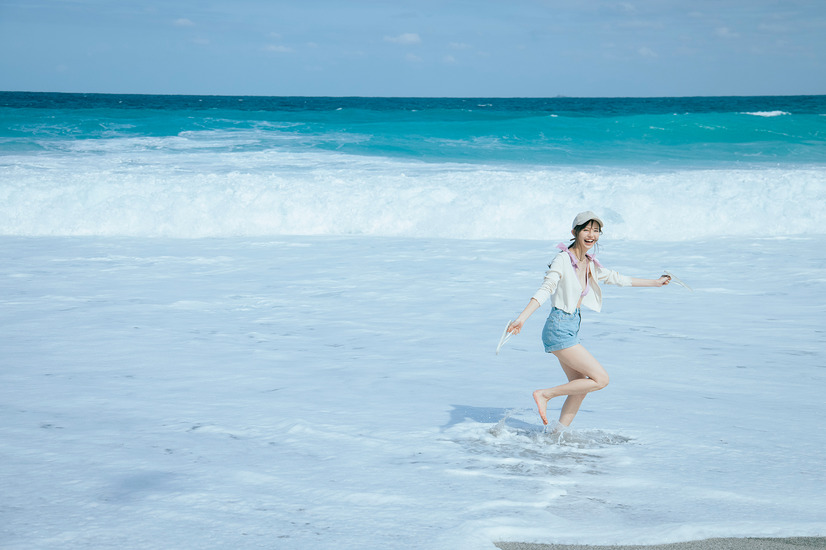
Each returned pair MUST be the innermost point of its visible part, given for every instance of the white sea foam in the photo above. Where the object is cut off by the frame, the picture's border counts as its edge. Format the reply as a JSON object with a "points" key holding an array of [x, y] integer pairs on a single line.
{"points": [[768, 114], [166, 187]]}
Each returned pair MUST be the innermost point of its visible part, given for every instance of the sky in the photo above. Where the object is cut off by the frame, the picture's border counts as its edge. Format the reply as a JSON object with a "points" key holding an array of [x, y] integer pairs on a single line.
{"points": [[431, 48]]}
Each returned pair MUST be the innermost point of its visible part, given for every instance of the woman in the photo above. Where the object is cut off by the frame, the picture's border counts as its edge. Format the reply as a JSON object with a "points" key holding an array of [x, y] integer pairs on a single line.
{"points": [[571, 282]]}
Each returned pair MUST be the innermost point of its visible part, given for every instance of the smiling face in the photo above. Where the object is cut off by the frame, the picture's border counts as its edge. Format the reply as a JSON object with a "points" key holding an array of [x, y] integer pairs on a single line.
{"points": [[586, 236]]}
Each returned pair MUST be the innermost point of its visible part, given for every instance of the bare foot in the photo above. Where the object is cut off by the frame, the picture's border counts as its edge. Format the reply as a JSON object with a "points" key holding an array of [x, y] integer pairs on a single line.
{"points": [[542, 404]]}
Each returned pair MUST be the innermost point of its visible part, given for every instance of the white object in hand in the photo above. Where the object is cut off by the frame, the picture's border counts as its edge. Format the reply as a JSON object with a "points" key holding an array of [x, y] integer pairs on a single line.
{"points": [[504, 338], [677, 280]]}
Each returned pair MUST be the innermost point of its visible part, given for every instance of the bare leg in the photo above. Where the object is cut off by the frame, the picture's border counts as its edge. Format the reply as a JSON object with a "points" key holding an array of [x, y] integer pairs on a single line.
{"points": [[572, 402], [593, 377]]}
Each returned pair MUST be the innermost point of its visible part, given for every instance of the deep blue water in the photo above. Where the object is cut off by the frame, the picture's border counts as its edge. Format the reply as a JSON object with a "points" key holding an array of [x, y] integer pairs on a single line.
{"points": [[570, 106]]}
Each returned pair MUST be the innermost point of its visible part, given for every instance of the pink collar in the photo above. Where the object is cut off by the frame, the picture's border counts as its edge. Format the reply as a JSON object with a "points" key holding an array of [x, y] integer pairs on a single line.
{"points": [[574, 261]]}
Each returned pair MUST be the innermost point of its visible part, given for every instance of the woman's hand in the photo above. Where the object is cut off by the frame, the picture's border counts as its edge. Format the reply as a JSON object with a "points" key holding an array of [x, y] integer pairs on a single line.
{"points": [[663, 280], [515, 327]]}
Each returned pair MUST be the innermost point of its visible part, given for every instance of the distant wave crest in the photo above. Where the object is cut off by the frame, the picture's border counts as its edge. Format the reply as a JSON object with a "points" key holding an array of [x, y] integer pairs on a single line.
{"points": [[768, 114]]}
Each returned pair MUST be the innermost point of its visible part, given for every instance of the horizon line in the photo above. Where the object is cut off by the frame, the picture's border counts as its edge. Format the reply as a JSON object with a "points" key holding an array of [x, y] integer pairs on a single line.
{"points": [[405, 97]]}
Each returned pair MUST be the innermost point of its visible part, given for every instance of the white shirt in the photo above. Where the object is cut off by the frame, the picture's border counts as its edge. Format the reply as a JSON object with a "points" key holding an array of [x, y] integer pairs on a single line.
{"points": [[562, 284]]}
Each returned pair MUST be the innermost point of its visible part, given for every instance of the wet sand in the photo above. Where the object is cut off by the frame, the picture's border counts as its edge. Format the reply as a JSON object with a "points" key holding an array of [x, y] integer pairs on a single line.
{"points": [[790, 543]]}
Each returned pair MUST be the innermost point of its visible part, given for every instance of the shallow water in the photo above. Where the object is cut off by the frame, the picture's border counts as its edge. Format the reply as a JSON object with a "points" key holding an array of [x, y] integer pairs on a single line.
{"points": [[344, 392]]}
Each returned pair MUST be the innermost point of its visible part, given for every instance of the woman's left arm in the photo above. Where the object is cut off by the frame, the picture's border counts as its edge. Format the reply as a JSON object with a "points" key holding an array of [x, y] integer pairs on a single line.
{"points": [[662, 281], [611, 277]]}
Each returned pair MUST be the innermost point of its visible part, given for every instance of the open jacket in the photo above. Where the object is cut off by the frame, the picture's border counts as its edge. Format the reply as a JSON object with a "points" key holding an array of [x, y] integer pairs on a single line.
{"points": [[562, 285]]}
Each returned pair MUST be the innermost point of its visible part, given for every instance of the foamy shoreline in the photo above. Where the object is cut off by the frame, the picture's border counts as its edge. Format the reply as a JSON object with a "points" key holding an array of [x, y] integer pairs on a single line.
{"points": [[786, 543], [152, 387]]}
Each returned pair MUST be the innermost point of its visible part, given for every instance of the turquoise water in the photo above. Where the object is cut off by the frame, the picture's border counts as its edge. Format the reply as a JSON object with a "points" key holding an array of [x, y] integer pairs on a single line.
{"points": [[557, 131], [187, 166]]}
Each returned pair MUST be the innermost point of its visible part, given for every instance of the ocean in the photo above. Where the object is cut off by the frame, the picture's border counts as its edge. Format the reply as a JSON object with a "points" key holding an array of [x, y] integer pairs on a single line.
{"points": [[190, 167], [249, 322]]}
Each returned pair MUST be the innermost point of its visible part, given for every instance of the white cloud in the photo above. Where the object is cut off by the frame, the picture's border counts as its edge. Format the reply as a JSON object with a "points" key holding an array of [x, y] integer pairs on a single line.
{"points": [[779, 28], [449, 59], [459, 46], [413, 58], [275, 48], [641, 24], [725, 32], [647, 52], [407, 38], [183, 22]]}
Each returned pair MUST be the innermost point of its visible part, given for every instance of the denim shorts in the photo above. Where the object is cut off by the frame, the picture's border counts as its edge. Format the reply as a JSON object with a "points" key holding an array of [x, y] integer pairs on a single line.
{"points": [[561, 330]]}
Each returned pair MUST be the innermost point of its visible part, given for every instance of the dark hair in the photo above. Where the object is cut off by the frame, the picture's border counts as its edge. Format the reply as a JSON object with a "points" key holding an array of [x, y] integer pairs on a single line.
{"points": [[579, 229]]}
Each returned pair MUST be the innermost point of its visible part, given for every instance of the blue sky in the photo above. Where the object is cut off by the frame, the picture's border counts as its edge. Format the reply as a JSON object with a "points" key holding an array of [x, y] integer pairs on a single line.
{"points": [[480, 48]]}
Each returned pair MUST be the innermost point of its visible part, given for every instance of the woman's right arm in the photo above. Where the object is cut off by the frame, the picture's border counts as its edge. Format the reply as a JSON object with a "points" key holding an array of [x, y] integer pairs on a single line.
{"points": [[516, 326], [549, 284]]}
